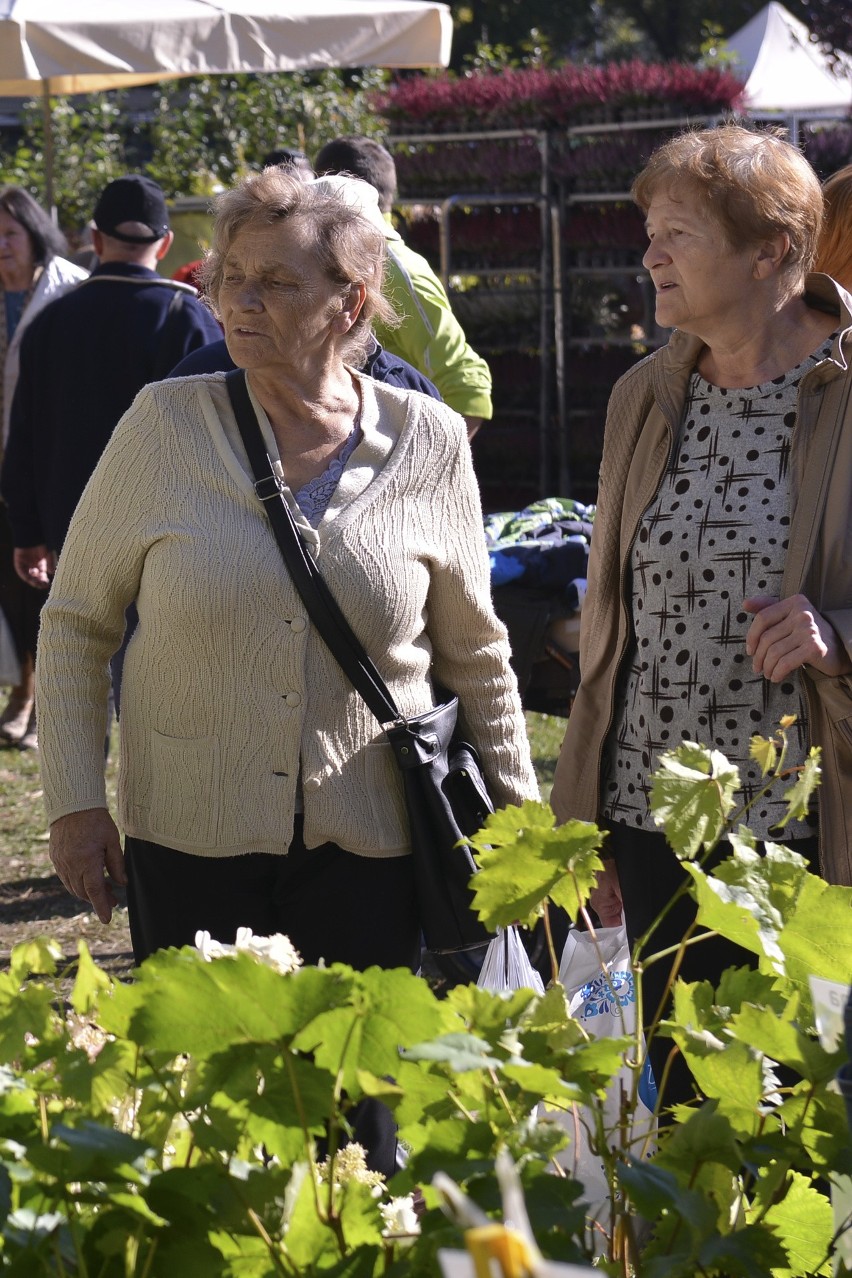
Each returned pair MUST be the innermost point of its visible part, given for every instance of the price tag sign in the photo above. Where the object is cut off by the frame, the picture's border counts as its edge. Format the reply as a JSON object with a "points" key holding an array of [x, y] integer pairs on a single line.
{"points": [[830, 999]]}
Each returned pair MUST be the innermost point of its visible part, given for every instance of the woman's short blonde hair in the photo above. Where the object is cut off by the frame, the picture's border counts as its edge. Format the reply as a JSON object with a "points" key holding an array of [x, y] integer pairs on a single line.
{"points": [[834, 255], [754, 184], [349, 248]]}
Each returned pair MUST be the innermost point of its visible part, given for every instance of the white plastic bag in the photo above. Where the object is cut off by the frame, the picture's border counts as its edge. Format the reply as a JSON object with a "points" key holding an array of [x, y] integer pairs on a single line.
{"points": [[603, 998], [506, 965], [10, 666]]}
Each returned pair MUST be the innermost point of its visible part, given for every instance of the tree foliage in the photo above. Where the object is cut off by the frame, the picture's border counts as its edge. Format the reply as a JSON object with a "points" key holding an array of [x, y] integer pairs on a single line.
{"points": [[197, 136], [574, 29]]}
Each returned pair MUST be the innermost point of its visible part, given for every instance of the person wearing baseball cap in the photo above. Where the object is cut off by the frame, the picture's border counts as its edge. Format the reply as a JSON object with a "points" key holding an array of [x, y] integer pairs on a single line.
{"points": [[132, 210], [82, 368]]}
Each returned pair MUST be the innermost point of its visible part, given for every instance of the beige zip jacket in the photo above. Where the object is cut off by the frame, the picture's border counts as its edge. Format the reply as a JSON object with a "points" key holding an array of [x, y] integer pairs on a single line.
{"points": [[644, 415]]}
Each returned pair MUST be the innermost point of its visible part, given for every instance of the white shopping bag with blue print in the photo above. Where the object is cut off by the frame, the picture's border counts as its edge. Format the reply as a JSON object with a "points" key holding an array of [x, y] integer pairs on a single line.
{"points": [[598, 982]]}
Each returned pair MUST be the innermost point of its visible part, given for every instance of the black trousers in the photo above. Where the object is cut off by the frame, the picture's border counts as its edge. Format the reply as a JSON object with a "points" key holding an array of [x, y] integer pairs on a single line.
{"points": [[332, 904], [21, 603], [649, 875]]}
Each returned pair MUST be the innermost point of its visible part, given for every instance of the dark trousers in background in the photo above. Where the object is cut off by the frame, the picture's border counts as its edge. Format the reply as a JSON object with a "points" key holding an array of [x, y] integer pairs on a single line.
{"points": [[21, 603], [332, 904], [649, 874]]}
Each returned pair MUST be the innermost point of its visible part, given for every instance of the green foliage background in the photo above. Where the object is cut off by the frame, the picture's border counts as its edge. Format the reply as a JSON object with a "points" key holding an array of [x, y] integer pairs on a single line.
{"points": [[203, 133]]}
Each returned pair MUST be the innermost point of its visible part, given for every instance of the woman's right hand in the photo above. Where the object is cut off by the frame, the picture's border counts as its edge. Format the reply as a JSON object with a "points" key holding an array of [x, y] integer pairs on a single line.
{"points": [[605, 898], [85, 849], [35, 565]]}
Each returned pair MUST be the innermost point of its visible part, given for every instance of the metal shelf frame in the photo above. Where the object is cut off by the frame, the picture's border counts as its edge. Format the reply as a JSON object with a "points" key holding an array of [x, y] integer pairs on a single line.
{"points": [[555, 277], [548, 272]]}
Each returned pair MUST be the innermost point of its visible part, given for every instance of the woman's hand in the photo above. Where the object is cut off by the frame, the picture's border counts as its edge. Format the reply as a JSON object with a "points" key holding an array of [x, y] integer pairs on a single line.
{"points": [[605, 899], [787, 634], [35, 565], [85, 849]]}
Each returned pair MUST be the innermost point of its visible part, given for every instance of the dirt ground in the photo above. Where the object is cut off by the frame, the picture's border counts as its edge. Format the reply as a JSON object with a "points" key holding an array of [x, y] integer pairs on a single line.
{"points": [[33, 901]]}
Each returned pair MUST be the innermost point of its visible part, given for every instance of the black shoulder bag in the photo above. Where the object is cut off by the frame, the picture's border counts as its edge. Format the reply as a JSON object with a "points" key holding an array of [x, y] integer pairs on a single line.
{"points": [[445, 793]]}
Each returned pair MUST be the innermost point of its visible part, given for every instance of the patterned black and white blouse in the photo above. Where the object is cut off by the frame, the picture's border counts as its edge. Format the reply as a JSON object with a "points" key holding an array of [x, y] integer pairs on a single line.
{"points": [[715, 534]]}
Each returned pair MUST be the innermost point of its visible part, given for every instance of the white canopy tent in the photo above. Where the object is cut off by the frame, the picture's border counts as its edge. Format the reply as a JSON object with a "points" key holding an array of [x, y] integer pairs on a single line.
{"points": [[50, 47], [785, 70]]}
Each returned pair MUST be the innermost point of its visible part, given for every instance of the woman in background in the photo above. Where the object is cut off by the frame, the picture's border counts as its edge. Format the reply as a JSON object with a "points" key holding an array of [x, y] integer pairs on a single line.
{"points": [[32, 273], [834, 255]]}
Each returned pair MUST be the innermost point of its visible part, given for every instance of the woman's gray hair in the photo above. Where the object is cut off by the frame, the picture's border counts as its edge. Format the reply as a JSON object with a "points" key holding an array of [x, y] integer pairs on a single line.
{"points": [[753, 183], [350, 246]]}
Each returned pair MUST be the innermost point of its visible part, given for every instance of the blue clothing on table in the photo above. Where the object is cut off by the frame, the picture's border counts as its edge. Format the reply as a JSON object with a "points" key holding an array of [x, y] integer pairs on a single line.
{"points": [[543, 547], [381, 365], [84, 358]]}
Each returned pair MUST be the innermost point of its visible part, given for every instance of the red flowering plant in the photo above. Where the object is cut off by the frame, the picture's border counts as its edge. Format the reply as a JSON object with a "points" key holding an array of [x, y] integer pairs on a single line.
{"points": [[541, 98]]}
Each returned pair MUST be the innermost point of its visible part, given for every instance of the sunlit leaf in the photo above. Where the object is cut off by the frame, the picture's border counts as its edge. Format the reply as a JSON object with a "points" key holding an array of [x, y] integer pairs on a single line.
{"points": [[817, 935], [781, 1039], [38, 957], [798, 797], [692, 796], [764, 752], [748, 897], [89, 982], [460, 1051], [804, 1223], [180, 1003], [525, 858], [386, 1011]]}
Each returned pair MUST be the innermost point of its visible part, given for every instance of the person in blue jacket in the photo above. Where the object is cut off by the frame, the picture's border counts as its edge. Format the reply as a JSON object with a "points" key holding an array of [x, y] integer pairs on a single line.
{"points": [[380, 364], [84, 358]]}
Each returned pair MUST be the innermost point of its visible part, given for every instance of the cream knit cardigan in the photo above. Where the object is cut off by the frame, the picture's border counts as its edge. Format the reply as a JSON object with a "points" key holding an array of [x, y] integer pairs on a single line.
{"points": [[229, 694]]}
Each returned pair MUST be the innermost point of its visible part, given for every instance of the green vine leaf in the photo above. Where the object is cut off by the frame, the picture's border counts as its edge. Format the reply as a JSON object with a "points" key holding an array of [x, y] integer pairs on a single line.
{"points": [[817, 936], [764, 752], [749, 897], [780, 1038], [692, 796], [803, 1223], [525, 858], [798, 796], [460, 1051]]}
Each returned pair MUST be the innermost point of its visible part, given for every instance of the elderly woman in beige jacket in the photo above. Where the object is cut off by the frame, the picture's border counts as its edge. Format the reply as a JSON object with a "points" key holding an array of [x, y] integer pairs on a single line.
{"points": [[255, 787], [720, 575]]}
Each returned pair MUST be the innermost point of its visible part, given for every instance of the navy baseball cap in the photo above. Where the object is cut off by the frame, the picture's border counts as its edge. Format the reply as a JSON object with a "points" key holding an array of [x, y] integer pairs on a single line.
{"points": [[134, 198]]}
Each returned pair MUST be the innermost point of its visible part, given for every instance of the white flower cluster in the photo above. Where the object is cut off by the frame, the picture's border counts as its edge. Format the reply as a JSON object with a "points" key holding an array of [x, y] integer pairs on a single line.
{"points": [[400, 1217], [350, 1163], [276, 951]]}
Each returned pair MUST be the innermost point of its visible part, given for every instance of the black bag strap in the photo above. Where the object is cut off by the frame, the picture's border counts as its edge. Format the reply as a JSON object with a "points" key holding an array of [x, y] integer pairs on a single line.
{"points": [[322, 607]]}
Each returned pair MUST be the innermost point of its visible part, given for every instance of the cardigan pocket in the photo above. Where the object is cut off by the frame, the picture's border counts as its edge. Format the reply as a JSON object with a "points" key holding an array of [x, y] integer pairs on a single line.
{"points": [[185, 789], [384, 785], [359, 806]]}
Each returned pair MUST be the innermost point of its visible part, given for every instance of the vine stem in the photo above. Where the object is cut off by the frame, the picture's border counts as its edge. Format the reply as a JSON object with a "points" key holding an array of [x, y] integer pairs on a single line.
{"points": [[263, 1233], [303, 1122]]}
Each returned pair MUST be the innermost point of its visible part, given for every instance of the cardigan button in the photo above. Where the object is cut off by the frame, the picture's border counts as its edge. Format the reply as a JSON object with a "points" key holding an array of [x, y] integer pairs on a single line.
{"points": [[311, 783], [293, 699], [298, 624]]}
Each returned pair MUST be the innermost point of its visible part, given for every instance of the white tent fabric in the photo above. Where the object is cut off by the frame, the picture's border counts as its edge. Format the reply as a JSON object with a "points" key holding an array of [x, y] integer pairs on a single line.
{"points": [[83, 46], [784, 70]]}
